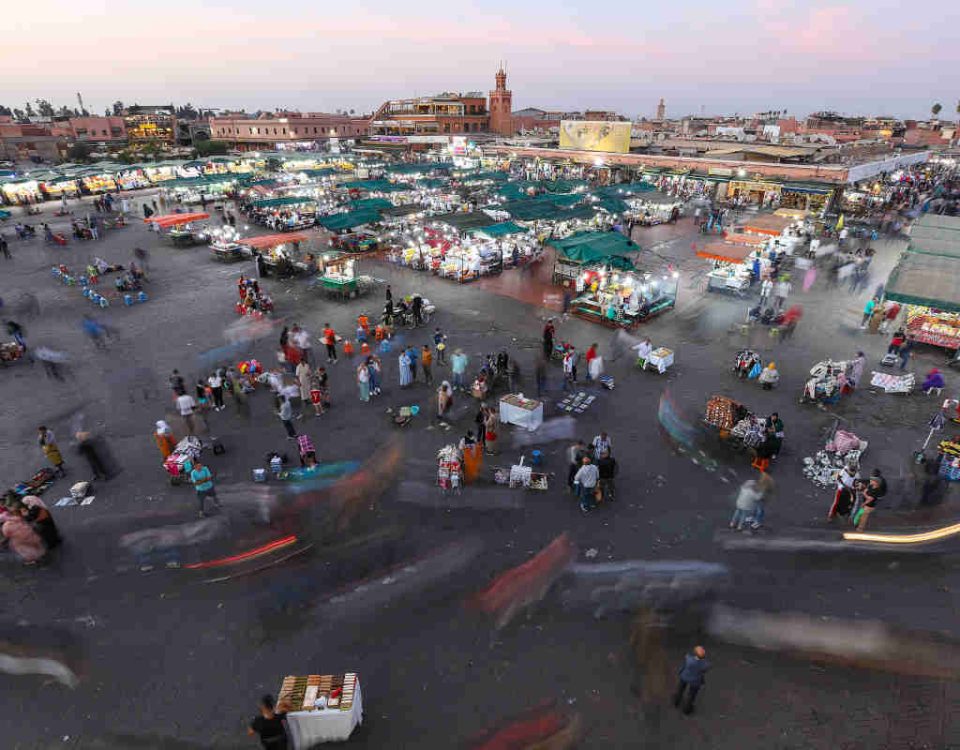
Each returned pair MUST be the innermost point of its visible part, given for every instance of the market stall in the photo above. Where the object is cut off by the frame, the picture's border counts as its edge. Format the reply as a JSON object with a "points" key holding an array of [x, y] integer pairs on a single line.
{"points": [[180, 228], [732, 270], [322, 708], [281, 254], [930, 287], [289, 213], [520, 411], [515, 245], [339, 276]]}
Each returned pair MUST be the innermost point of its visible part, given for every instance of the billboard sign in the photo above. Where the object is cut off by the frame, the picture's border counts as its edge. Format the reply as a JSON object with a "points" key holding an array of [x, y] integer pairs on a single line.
{"points": [[588, 135]]}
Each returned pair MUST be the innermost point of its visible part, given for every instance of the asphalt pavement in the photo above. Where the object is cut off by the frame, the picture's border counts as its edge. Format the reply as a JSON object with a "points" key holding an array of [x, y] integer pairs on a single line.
{"points": [[176, 657]]}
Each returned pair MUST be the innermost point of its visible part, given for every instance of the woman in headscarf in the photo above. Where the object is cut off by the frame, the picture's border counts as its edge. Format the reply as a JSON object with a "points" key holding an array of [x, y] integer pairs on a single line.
{"points": [[20, 536], [490, 425], [405, 377], [166, 442], [769, 377]]}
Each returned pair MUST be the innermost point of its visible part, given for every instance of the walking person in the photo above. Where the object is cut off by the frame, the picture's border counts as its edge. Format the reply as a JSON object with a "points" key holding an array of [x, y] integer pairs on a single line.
{"points": [[269, 726], [585, 483], [868, 311], [363, 381], [871, 494], [426, 363], [330, 341], [440, 344], [202, 479], [186, 406], [165, 439], [458, 363], [286, 417], [215, 382], [48, 444], [304, 376], [691, 679], [575, 454], [404, 361], [549, 331], [374, 366], [5, 247], [87, 448]]}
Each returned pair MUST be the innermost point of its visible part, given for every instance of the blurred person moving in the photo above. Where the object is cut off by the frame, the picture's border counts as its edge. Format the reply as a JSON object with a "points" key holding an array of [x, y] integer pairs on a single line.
{"points": [[269, 725]]}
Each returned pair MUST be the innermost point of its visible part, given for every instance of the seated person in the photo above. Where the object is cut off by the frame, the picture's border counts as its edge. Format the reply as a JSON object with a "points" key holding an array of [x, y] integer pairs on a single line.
{"points": [[769, 377], [933, 380]]}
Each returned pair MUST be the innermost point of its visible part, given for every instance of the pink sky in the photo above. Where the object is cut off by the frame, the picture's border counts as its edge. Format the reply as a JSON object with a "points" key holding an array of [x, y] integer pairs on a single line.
{"points": [[740, 56]]}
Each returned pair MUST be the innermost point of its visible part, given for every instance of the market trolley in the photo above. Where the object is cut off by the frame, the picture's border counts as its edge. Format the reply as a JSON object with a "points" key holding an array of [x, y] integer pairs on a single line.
{"points": [[521, 475], [734, 422], [321, 708], [745, 361], [450, 469], [180, 233], [180, 461]]}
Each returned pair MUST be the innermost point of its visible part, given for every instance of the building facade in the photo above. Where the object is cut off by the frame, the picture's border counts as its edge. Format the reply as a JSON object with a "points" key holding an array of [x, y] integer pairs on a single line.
{"points": [[93, 130], [246, 133], [150, 124], [442, 114]]}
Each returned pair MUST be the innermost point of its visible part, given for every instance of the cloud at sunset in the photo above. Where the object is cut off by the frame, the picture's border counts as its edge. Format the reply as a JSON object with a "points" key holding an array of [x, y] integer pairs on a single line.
{"points": [[746, 54]]}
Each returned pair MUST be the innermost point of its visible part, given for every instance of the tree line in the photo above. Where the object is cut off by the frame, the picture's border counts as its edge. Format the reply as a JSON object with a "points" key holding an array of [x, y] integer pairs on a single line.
{"points": [[42, 108]]}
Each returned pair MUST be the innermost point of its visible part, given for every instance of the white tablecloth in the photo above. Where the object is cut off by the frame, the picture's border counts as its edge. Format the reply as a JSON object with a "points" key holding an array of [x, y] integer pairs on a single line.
{"points": [[661, 359], [309, 728], [531, 419]]}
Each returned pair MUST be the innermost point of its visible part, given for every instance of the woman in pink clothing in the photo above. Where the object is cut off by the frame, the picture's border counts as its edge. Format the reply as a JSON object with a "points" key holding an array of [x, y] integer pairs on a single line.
{"points": [[19, 534]]}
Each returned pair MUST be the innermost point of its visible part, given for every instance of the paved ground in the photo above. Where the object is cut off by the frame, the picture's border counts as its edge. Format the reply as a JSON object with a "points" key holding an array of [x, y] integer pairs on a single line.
{"points": [[175, 660]]}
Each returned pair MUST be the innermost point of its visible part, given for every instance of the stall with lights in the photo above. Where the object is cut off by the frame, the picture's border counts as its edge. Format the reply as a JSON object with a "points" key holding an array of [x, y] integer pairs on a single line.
{"points": [[340, 276], [289, 213], [732, 266], [184, 229], [225, 245], [282, 255], [599, 268]]}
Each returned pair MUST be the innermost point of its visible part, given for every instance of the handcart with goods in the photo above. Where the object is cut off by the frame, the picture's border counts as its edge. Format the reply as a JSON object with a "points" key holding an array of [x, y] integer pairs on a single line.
{"points": [[320, 708], [735, 423], [450, 469], [747, 361], [180, 462], [889, 383], [404, 415], [826, 383]]}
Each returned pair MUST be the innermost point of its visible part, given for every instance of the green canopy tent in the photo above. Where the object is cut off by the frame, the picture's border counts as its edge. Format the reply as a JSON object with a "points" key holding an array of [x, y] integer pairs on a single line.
{"points": [[464, 221], [930, 246], [317, 173], [287, 200], [564, 186], [611, 205], [623, 190], [375, 186], [486, 176], [926, 280], [596, 249], [430, 183], [496, 231], [349, 220], [371, 204]]}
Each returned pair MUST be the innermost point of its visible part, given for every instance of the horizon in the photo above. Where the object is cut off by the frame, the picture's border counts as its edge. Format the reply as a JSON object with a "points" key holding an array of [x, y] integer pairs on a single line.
{"points": [[744, 58]]}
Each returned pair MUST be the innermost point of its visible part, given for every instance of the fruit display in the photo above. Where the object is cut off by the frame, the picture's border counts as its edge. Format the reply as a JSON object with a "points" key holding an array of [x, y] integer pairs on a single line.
{"points": [[937, 329]]}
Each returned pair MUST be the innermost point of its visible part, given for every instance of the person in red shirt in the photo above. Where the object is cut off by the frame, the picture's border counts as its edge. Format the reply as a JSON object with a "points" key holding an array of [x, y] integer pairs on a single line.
{"points": [[898, 340], [330, 340], [889, 315], [590, 356]]}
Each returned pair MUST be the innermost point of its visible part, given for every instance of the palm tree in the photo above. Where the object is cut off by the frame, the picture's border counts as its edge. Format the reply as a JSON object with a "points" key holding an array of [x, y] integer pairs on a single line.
{"points": [[935, 110]]}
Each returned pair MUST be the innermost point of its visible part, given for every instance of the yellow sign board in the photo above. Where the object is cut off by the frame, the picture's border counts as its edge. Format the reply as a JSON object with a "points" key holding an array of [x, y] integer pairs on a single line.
{"points": [[588, 135]]}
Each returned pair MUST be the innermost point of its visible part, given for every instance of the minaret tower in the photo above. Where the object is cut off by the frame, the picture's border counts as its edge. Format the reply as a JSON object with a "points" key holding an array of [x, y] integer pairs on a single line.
{"points": [[501, 106]]}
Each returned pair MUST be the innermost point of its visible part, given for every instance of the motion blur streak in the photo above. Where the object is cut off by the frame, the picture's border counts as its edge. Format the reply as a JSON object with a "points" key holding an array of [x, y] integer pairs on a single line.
{"points": [[925, 536], [243, 556], [542, 728], [527, 583], [39, 650]]}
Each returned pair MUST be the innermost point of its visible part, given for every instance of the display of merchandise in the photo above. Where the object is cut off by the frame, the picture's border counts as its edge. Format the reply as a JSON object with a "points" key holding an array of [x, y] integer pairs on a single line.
{"points": [[844, 448], [935, 328], [724, 413], [892, 383], [319, 692], [577, 403], [449, 468]]}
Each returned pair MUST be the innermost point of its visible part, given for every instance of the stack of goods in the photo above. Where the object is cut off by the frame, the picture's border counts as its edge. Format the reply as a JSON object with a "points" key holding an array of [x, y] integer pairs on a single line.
{"points": [[937, 329], [827, 379], [181, 460], [724, 412], [449, 468], [843, 449], [892, 383], [750, 430], [319, 691], [950, 460], [37, 484]]}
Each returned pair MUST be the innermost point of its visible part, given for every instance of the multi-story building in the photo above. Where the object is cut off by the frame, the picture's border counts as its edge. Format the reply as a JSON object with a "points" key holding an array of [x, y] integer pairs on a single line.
{"points": [[149, 124], [99, 130], [22, 141], [246, 133], [442, 114]]}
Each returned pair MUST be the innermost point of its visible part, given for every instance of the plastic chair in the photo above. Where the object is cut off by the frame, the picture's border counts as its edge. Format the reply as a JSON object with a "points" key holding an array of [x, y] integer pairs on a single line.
{"points": [[938, 391]]}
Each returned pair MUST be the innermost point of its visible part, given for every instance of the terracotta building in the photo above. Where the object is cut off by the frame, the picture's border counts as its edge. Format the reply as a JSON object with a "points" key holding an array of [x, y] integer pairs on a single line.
{"points": [[247, 133], [107, 130]]}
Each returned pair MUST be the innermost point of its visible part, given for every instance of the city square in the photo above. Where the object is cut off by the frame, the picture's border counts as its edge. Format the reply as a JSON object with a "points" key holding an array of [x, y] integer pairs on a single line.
{"points": [[294, 402]]}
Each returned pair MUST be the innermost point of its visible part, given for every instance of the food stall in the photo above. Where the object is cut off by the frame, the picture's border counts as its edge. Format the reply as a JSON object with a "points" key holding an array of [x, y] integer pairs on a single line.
{"points": [[523, 412], [322, 708], [224, 245], [732, 270], [339, 277], [180, 227], [929, 285], [280, 254], [289, 213], [515, 245]]}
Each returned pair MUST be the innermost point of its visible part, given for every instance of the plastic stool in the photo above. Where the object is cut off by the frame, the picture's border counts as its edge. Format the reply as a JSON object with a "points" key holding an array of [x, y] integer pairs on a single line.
{"points": [[536, 458], [142, 297], [127, 300]]}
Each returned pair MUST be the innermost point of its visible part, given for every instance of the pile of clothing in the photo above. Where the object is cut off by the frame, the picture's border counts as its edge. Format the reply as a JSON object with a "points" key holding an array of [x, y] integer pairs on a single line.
{"points": [[892, 383], [841, 450]]}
